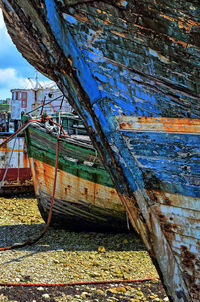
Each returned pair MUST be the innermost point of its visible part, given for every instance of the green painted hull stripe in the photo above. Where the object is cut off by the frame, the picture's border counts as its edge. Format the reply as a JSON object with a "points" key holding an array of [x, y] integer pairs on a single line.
{"points": [[47, 155]]}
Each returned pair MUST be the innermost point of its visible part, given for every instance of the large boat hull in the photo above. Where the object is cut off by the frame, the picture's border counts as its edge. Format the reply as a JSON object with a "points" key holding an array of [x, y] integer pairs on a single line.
{"points": [[85, 198], [131, 69], [18, 177]]}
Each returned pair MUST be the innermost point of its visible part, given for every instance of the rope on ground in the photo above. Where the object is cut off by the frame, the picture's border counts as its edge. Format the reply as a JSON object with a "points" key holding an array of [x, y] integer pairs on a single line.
{"points": [[77, 283], [30, 242]]}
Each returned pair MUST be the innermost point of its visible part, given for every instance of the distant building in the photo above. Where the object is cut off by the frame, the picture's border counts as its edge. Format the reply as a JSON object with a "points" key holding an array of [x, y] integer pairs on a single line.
{"points": [[32, 100]]}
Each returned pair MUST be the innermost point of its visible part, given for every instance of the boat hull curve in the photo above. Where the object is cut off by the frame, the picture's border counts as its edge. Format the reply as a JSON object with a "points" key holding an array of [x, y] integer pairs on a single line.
{"points": [[131, 70], [85, 198]]}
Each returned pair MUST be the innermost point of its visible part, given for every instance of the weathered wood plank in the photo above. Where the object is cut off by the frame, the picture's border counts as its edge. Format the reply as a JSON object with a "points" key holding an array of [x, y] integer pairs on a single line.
{"points": [[125, 58]]}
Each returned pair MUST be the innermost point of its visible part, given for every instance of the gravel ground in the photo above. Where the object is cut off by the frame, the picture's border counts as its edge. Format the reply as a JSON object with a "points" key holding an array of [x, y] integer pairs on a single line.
{"points": [[62, 257]]}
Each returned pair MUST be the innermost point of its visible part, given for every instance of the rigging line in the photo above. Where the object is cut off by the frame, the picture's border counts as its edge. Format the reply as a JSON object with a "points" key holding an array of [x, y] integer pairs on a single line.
{"points": [[45, 104], [20, 130], [4, 176], [30, 242]]}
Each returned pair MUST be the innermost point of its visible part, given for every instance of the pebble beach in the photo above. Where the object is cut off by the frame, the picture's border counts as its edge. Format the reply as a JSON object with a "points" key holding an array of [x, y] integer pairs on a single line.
{"points": [[67, 257]]}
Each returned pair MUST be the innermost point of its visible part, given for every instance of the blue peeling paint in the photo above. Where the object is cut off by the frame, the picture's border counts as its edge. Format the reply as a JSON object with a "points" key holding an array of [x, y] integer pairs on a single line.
{"points": [[122, 154], [69, 48], [121, 91], [138, 71], [69, 18]]}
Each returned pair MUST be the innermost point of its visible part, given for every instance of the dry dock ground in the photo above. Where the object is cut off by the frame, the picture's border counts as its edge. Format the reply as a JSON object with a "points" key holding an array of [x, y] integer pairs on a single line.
{"points": [[62, 257]]}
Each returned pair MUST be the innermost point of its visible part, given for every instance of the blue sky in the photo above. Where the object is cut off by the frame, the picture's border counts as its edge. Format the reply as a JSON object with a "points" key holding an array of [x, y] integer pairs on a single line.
{"points": [[14, 69]]}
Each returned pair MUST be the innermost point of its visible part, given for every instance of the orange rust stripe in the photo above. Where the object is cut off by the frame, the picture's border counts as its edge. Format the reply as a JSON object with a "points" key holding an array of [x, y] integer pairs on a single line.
{"points": [[10, 149], [159, 124]]}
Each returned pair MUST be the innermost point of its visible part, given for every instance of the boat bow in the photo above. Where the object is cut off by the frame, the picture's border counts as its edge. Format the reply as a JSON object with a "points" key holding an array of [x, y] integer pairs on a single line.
{"points": [[131, 72]]}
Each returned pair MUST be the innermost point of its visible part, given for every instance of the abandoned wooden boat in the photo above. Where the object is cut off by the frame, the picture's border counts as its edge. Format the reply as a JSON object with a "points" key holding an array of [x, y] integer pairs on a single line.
{"points": [[18, 178], [15, 173], [131, 69], [85, 198]]}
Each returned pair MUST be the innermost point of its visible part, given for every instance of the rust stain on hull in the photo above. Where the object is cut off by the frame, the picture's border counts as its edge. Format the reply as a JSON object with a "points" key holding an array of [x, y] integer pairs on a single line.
{"points": [[157, 124], [92, 204], [153, 60]]}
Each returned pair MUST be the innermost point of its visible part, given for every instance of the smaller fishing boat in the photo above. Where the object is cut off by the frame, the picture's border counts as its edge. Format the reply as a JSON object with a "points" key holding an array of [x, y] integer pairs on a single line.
{"points": [[85, 198], [131, 69], [15, 172]]}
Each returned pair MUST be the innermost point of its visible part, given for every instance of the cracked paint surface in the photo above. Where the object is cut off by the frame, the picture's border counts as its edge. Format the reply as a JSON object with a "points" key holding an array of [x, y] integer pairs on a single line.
{"points": [[135, 66]]}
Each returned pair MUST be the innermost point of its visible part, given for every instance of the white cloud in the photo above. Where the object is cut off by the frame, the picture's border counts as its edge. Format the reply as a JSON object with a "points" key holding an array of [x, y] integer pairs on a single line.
{"points": [[9, 77], [14, 69]]}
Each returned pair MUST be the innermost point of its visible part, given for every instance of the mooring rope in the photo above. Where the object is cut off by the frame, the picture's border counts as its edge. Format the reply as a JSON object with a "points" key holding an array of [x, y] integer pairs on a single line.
{"points": [[78, 282], [27, 124], [20, 130], [49, 102], [30, 242]]}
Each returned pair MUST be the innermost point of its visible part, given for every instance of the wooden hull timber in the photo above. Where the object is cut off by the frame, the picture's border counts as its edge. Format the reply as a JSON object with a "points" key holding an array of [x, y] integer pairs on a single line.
{"points": [[131, 69], [84, 198]]}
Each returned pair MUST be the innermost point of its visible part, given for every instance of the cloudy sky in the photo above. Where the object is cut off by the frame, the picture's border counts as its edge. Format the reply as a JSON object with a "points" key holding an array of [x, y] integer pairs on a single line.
{"points": [[14, 69]]}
